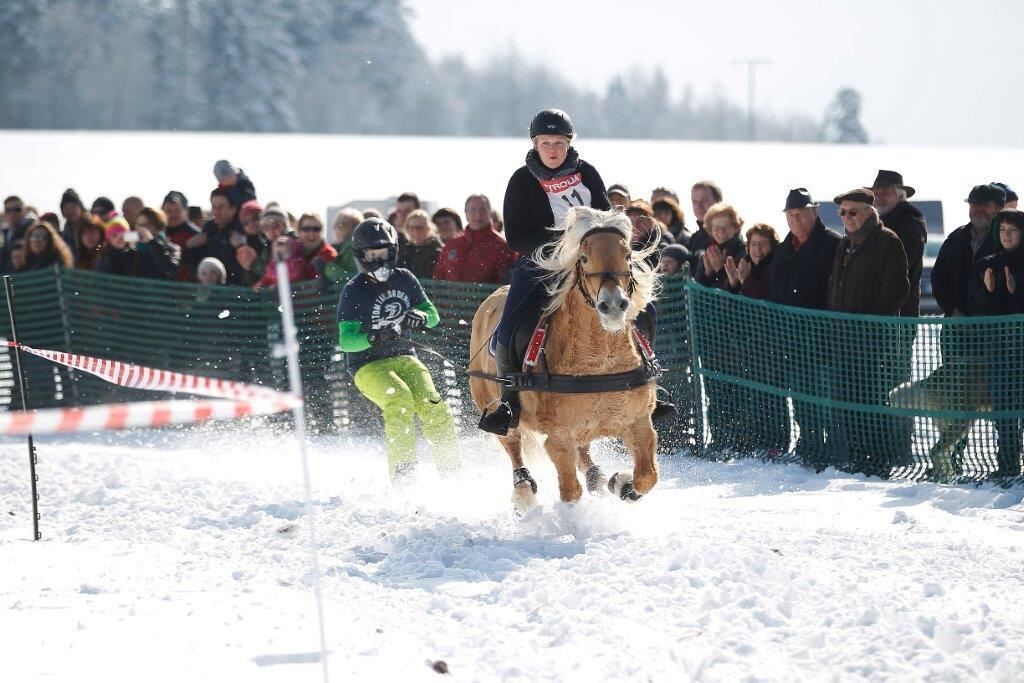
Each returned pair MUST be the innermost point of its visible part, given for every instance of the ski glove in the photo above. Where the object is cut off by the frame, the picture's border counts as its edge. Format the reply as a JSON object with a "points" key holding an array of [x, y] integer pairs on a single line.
{"points": [[414, 320]]}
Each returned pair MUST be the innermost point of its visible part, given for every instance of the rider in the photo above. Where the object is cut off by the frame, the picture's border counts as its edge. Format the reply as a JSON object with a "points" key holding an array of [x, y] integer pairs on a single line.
{"points": [[378, 309], [538, 196]]}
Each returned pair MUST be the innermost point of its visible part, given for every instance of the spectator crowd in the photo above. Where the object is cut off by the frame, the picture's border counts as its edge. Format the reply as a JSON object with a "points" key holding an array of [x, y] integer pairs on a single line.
{"points": [[233, 241], [875, 267]]}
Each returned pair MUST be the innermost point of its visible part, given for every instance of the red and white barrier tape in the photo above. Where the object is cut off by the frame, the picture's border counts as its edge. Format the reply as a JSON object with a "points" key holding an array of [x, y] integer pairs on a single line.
{"points": [[234, 399]]}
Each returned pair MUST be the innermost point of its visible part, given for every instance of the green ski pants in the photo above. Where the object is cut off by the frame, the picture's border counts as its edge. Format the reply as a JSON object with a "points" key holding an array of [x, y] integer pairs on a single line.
{"points": [[401, 387]]}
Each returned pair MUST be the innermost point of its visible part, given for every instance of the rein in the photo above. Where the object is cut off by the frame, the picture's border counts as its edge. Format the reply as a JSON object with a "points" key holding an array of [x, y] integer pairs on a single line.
{"points": [[613, 275]]}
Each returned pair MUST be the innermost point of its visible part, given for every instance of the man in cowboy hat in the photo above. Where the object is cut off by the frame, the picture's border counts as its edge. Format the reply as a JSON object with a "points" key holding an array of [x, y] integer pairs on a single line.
{"points": [[909, 224]]}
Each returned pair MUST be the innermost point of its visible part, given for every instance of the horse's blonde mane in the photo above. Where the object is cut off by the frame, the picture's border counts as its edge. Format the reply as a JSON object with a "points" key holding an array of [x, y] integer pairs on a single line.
{"points": [[560, 262]]}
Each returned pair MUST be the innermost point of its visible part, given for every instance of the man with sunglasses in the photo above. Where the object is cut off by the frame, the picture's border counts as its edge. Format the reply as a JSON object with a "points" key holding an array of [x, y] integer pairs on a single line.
{"points": [[869, 275]]}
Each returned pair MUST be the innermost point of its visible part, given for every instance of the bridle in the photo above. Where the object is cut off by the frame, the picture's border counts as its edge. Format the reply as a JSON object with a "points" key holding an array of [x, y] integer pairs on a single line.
{"points": [[612, 275]]}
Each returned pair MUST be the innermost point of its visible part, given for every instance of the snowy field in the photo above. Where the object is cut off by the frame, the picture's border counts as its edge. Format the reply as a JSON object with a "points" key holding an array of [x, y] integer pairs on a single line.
{"points": [[312, 172], [182, 556]]}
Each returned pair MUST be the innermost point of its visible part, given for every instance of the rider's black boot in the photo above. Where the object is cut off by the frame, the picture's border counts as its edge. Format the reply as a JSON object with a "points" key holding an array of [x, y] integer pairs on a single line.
{"points": [[506, 415]]}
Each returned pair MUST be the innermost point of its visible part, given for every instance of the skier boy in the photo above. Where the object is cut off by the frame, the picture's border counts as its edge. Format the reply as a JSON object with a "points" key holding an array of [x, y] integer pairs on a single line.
{"points": [[378, 309]]}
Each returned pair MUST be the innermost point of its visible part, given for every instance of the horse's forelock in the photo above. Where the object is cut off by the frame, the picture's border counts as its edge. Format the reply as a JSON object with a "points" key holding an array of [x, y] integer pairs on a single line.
{"points": [[561, 261]]}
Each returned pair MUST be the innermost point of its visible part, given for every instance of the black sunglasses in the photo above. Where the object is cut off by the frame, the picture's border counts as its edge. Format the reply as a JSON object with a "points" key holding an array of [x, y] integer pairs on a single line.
{"points": [[310, 228], [13, 209], [849, 212]]}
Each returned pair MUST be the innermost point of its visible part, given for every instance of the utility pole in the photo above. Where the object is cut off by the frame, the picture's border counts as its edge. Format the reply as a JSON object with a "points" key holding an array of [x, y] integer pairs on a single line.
{"points": [[752, 63]]}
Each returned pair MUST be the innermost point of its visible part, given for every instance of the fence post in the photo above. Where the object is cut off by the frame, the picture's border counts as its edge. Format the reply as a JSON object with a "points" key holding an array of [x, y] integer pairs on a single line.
{"points": [[290, 342], [65, 320], [34, 478], [698, 386]]}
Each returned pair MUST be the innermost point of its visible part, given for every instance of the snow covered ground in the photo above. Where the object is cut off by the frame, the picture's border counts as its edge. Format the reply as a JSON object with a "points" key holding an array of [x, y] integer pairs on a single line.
{"points": [[181, 556]]}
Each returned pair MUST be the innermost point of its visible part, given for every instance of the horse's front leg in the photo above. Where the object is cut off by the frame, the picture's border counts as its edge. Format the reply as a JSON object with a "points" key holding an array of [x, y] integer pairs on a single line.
{"points": [[596, 481], [563, 454], [524, 487], [642, 442]]}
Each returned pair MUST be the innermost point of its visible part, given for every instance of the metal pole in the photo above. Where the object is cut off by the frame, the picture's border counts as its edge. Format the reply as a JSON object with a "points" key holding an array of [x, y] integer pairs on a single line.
{"points": [[751, 64], [751, 87], [9, 289], [291, 348], [65, 320]]}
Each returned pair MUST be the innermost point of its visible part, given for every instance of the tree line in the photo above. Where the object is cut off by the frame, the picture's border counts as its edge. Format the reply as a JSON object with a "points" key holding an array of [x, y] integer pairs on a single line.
{"points": [[326, 66]]}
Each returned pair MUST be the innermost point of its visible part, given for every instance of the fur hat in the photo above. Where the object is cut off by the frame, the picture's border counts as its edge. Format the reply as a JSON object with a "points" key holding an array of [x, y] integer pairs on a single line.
{"points": [[211, 262]]}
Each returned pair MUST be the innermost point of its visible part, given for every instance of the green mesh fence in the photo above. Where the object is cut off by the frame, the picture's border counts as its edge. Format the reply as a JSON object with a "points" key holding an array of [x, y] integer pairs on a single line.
{"points": [[234, 333], [929, 397], [914, 397]]}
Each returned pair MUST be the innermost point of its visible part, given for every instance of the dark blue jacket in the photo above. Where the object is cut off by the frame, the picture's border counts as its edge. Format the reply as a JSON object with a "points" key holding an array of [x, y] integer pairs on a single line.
{"points": [[242, 191], [367, 306], [951, 274], [800, 278]]}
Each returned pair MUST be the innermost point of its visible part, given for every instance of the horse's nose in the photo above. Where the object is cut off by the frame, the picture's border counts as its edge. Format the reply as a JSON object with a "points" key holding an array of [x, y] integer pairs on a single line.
{"points": [[623, 304], [603, 307]]}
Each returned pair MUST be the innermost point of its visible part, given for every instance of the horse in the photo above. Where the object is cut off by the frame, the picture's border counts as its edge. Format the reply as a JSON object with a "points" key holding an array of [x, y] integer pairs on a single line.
{"points": [[954, 386], [597, 285]]}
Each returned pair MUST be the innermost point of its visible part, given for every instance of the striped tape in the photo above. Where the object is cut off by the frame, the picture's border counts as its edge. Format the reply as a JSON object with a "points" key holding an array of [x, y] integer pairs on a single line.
{"points": [[231, 399]]}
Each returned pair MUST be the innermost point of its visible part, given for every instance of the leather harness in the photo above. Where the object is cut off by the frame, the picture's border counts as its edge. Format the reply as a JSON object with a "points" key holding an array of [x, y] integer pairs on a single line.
{"points": [[544, 380]]}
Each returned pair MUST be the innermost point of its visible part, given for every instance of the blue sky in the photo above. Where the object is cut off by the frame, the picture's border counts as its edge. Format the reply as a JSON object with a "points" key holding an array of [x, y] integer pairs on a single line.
{"points": [[942, 72]]}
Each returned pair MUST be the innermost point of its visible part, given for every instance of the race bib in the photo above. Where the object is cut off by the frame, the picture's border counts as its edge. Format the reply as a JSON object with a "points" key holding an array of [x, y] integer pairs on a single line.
{"points": [[564, 193]]}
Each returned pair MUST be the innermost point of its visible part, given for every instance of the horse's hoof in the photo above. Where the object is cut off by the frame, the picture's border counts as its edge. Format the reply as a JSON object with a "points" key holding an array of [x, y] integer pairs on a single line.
{"points": [[521, 475], [596, 481], [523, 499], [621, 485]]}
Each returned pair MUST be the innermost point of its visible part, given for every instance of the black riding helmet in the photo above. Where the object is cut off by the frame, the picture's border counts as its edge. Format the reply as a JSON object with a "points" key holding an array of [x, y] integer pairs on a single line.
{"points": [[375, 233], [552, 122]]}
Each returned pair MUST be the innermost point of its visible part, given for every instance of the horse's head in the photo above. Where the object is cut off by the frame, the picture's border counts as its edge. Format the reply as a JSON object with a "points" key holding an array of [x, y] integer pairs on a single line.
{"points": [[594, 255]]}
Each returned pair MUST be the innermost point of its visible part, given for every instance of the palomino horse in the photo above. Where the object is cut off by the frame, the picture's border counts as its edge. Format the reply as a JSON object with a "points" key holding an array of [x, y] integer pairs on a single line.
{"points": [[598, 285]]}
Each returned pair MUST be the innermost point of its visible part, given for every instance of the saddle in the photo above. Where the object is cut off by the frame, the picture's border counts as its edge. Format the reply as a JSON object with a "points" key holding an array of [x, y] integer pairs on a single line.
{"points": [[527, 354], [526, 329]]}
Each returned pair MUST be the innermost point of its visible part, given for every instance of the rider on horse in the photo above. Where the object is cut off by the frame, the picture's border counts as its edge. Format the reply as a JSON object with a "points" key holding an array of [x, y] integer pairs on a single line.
{"points": [[539, 195]]}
